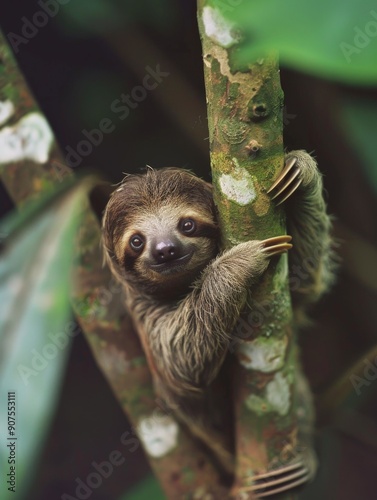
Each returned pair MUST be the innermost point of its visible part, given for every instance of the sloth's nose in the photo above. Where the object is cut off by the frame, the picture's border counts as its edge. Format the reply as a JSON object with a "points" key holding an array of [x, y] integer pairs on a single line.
{"points": [[165, 251]]}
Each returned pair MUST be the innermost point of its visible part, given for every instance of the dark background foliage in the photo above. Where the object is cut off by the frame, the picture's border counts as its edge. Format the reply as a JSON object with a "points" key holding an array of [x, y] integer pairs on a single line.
{"points": [[77, 66]]}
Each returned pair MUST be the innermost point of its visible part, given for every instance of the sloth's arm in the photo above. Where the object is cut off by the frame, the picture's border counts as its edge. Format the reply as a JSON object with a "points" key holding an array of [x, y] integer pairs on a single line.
{"points": [[190, 342], [311, 262]]}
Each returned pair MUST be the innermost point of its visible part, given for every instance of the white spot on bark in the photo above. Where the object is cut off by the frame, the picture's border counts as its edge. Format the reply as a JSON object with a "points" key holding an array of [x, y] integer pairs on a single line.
{"points": [[278, 394], [158, 434], [238, 187], [218, 28], [6, 111], [30, 139], [264, 355]]}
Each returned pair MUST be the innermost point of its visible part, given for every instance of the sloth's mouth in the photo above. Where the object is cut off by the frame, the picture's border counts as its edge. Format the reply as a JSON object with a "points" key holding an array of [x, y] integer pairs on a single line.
{"points": [[172, 266]]}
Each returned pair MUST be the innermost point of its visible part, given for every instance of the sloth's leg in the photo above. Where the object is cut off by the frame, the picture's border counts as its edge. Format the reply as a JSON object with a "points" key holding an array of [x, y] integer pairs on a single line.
{"points": [[311, 262]]}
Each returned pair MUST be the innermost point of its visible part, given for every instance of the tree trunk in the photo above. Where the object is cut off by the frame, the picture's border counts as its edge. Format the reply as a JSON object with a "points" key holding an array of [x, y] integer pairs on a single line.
{"points": [[246, 146]]}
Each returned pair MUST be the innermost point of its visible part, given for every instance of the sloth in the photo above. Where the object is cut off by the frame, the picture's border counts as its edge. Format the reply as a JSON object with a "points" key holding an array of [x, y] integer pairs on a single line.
{"points": [[162, 241]]}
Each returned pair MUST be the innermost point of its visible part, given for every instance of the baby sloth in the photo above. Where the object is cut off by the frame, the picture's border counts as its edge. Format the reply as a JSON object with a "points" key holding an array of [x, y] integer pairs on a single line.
{"points": [[162, 241]]}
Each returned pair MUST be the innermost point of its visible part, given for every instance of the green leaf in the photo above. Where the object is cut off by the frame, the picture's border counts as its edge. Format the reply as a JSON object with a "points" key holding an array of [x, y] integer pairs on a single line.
{"points": [[336, 39], [35, 325], [148, 488]]}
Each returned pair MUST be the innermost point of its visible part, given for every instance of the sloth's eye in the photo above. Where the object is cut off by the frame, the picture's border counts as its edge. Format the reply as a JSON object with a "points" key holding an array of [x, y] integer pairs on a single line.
{"points": [[136, 242], [187, 226]]}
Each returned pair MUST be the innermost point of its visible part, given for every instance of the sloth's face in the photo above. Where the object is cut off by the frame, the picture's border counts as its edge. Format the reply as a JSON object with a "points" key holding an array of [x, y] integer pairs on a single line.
{"points": [[163, 242], [169, 247]]}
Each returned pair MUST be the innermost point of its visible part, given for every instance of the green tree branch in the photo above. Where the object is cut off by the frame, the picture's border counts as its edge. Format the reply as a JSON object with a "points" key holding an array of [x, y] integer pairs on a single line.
{"points": [[246, 145]]}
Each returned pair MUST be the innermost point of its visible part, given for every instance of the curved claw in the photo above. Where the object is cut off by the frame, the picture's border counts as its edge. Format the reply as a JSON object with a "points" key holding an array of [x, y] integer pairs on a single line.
{"points": [[287, 167], [290, 192], [277, 245], [288, 181], [279, 480]]}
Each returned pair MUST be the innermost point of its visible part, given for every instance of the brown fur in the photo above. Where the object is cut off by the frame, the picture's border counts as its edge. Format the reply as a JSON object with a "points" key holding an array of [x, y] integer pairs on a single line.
{"points": [[185, 319], [312, 262]]}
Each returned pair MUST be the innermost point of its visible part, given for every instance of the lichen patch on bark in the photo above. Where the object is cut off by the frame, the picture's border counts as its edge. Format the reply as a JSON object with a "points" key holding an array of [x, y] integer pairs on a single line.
{"points": [[217, 28], [276, 399], [238, 186], [278, 394], [159, 435], [263, 354], [29, 139]]}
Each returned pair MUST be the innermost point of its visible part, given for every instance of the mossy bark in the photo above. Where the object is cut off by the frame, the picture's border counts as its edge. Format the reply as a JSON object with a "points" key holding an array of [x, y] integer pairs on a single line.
{"points": [[24, 179], [246, 146]]}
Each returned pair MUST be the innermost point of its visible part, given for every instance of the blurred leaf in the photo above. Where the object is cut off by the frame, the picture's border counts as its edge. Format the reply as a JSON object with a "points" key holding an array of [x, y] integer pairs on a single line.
{"points": [[359, 122], [104, 16], [148, 488], [94, 92], [336, 39], [98, 16], [35, 326]]}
